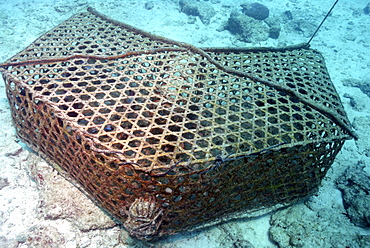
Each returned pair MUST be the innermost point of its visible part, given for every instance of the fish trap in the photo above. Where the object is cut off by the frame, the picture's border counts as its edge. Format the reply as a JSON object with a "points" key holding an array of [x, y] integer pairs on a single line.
{"points": [[167, 137]]}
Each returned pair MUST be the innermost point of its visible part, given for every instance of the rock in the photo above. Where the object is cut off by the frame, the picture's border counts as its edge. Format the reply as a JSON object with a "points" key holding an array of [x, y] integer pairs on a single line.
{"points": [[274, 32], [256, 10], [59, 199], [63, 9], [298, 226], [364, 86], [358, 102], [303, 27], [204, 10], [234, 235], [364, 240], [44, 236], [9, 242], [191, 20], [367, 9], [354, 184], [149, 5], [3, 182], [362, 126], [246, 28], [287, 15], [274, 26]]}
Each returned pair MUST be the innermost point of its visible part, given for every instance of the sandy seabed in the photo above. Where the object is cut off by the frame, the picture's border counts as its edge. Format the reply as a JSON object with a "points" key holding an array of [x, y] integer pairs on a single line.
{"points": [[38, 208]]}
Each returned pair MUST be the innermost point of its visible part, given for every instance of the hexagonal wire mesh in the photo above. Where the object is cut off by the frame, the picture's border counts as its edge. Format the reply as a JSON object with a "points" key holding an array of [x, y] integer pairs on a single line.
{"points": [[167, 137]]}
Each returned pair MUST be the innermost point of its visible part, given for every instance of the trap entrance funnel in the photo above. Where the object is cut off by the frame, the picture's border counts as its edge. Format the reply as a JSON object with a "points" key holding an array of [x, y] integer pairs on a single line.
{"points": [[167, 137]]}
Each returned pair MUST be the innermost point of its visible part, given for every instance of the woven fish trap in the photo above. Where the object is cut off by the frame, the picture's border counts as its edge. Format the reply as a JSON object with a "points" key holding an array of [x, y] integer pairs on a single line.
{"points": [[167, 137]]}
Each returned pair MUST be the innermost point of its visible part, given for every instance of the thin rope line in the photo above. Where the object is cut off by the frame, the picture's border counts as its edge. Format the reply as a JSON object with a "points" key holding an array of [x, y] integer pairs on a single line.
{"points": [[322, 22]]}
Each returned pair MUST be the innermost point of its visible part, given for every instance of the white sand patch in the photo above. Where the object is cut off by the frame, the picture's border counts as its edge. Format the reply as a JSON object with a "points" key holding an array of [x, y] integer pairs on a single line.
{"points": [[343, 40]]}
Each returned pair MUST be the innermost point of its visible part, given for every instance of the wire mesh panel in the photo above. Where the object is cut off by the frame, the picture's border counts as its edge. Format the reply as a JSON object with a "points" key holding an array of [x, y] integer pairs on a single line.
{"points": [[167, 137]]}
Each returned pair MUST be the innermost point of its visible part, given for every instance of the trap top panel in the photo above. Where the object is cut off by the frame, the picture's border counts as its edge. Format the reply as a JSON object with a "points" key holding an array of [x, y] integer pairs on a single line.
{"points": [[94, 52]]}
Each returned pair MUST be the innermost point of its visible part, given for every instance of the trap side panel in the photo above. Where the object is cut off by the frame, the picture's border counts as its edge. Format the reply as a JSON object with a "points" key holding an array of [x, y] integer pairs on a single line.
{"points": [[49, 119]]}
